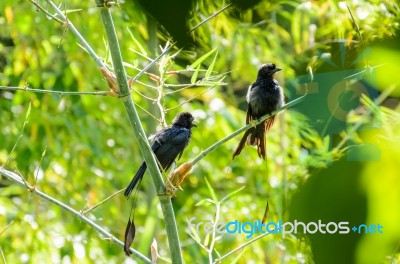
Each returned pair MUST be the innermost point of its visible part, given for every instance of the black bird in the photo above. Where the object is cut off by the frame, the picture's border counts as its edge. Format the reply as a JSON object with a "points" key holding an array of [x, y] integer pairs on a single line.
{"points": [[264, 96], [169, 143]]}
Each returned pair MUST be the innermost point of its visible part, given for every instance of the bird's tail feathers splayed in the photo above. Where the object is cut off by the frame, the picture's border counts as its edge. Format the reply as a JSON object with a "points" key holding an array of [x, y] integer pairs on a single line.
{"points": [[269, 122], [256, 136]]}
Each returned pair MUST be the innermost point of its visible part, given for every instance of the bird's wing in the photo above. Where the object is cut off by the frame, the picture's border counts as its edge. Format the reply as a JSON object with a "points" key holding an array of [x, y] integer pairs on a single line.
{"points": [[248, 92], [172, 142], [249, 115], [155, 145]]}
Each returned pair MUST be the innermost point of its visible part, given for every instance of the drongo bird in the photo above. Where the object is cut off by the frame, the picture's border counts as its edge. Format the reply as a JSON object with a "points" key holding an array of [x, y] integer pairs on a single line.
{"points": [[169, 144], [263, 97]]}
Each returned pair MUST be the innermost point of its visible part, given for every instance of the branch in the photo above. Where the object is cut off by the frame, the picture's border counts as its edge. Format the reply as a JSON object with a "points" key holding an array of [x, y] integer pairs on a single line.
{"points": [[210, 17], [40, 8], [60, 93], [17, 178], [241, 247]]}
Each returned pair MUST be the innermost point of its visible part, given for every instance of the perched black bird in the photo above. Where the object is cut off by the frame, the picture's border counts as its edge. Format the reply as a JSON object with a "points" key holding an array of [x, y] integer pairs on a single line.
{"points": [[169, 143], [264, 96]]}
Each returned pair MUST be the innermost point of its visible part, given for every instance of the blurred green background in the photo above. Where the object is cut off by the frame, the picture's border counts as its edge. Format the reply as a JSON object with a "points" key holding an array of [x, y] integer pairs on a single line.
{"points": [[334, 157]]}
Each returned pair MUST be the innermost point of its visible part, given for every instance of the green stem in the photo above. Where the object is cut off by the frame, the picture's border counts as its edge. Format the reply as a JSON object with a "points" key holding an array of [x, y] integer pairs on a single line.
{"points": [[18, 179], [210, 17], [152, 44], [166, 204], [46, 12], [244, 128], [242, 246], [212, 244], [60, 93]]}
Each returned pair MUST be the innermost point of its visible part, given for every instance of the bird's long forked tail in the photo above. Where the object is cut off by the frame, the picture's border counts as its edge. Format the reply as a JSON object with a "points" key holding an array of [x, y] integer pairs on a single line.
{"points": [[130, 230], [260, 140], [242, 142], [138, 176]]}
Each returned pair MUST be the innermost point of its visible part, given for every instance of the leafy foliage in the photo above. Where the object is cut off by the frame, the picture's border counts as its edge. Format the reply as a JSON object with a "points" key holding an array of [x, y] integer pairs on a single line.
{"points": [[87, 159]]}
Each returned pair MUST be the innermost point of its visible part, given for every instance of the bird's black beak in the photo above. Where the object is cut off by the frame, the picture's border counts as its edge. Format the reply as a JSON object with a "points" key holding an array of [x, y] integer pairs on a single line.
{"points": [[276, 69], [194, 125]]}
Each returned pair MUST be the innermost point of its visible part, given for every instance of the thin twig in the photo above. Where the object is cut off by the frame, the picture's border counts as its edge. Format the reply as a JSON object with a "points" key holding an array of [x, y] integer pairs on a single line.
{"points": [[103, 201], [2, 256], [38, 168], [195, 85], [211, 248], [198, 242], [147, 112], [21, 133], [133, 79], [7, 226], [190, 99], [22, 177], [60, 93], [210, 17], [160, 105], [77, 34], [356, 25], [242, 246], [185, 70], [182, 86], [16, 178], [144, 96], [36, 3], [359, 33], [140, 54], [146, 85]]}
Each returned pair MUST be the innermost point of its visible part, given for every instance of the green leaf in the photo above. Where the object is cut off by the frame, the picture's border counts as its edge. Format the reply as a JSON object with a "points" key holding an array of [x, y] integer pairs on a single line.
{"points": [[195, 74], [142, 50], [206, 240], [201, 59], [211, 190], [211, 67], [205, 201], [28, 112], [195, 235]]}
